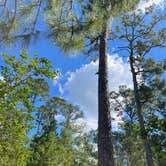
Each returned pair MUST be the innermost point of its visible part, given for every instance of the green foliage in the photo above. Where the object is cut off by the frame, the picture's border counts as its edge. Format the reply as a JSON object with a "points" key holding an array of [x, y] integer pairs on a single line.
{"points": [[59, 139], [155, 108], [127, 141], [15, 17], [128, 145], [141, 32], [24, 82], [25, 104], [49, 150], [76, 25], [71, 22], [86, 152]]}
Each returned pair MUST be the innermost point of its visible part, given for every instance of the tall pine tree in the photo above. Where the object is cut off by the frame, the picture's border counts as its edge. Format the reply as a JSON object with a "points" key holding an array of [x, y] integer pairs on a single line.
{"points": [[141, 36], [85, 26]]}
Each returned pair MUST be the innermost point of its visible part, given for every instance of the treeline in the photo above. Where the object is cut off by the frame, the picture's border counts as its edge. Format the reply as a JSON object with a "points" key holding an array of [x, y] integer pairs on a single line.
{"points": [[37, 129]]}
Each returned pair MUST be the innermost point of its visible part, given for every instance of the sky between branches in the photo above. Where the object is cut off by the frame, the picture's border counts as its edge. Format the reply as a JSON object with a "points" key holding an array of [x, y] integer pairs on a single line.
{"points": [[78, 82]]}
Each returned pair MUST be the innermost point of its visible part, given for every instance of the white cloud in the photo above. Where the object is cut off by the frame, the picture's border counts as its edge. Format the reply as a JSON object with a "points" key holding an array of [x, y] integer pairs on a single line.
{"points": [[1, 78], [147, 3], [60, 89], [81, 86], [59, 118]]}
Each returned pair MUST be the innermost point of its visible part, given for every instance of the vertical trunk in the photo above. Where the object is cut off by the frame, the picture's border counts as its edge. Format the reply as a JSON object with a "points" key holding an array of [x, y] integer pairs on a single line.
{"points": [[140, 116], [105, 147]]}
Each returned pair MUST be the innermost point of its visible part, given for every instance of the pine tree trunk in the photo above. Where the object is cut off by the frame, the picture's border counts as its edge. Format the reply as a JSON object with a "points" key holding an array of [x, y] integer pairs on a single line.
{"points": [[105, 147], [144, 136]]}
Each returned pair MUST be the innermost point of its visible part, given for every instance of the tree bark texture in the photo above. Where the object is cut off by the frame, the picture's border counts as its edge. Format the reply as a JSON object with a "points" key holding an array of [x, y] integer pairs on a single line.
{"points": [[105, 146], [143, 132]]}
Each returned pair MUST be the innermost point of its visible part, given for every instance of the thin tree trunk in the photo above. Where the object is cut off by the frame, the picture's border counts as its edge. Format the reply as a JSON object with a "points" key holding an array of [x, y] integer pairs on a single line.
{"points": [[105, 147], [144, 136]]}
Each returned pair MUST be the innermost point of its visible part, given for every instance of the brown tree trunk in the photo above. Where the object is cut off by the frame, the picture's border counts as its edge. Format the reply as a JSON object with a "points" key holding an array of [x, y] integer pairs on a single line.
{"points": [[143, 132], [105, 147]]}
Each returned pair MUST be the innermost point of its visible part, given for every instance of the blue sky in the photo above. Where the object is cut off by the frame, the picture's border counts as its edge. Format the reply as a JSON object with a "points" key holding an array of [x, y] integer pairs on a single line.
{"points": [[78, 82]]}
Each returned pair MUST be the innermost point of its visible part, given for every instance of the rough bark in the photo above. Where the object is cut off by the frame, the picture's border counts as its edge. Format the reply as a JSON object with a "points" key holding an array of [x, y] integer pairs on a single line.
{"points": [[144, 135], [105, 147]]}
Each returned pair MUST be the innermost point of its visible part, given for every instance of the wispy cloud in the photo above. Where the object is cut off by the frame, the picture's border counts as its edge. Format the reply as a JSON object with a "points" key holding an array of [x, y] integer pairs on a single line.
{"points": [[1, 78], [147, 3]]}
